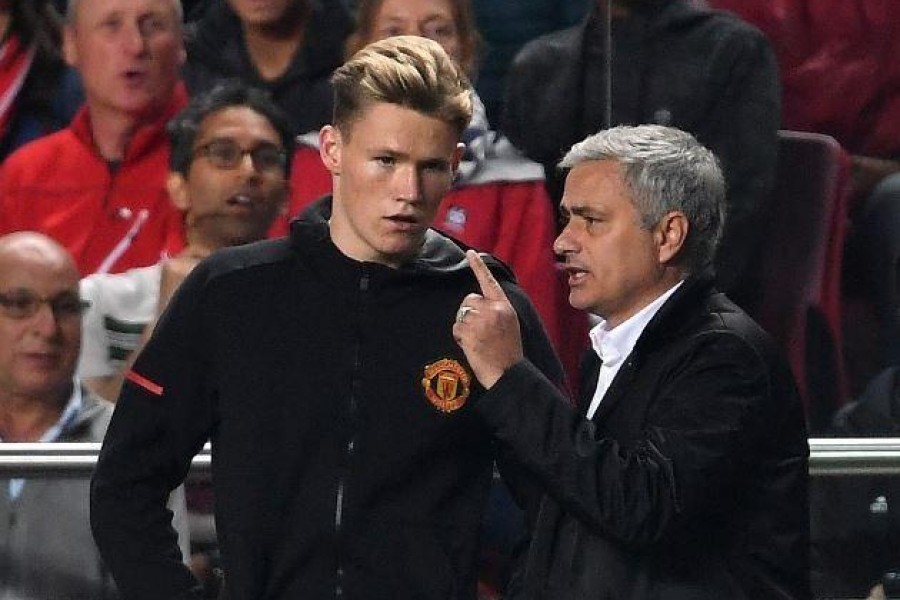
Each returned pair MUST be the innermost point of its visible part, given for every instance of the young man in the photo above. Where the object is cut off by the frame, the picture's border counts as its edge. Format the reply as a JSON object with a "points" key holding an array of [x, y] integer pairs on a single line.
{"points": [[228, 174], [682, 473], [98, 186], [347, 459]]}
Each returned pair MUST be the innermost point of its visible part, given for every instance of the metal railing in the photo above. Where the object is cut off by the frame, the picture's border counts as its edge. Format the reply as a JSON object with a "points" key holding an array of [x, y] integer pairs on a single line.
{"points": [[828, 456]]}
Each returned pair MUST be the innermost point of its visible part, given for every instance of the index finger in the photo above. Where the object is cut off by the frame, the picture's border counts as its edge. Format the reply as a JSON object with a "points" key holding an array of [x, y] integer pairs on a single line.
{"points": [[490, 289]]}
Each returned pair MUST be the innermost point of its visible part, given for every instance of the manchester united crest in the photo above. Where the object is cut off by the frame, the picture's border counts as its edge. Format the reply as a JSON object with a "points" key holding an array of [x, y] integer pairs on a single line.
{"points": [[446, 385]]}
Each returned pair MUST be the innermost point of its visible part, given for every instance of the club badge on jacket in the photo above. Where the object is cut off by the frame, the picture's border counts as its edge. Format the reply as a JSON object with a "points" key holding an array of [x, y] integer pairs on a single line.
{"points": [[446, 384]]}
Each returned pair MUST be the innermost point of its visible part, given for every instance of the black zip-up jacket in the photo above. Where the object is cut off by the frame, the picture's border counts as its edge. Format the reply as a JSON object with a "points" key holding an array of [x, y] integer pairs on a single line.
{"points": [[337, 473], [216, 50], [690, 480]]}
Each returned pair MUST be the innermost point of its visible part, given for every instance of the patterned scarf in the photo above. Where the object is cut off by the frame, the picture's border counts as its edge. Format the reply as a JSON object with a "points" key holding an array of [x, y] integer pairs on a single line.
{"points": [[15, 62]]}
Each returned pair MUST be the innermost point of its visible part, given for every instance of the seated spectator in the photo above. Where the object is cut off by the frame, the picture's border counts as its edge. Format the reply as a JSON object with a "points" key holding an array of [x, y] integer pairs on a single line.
{"points": [[46, 537], [287, 47], [98, 186], [704, 72], [498, 203], [39, 93], [228, 174]]}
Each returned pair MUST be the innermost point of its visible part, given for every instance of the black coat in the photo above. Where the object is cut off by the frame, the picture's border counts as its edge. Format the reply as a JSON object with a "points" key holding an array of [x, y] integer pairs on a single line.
{"points": [[690, 481], [216, 51], [337, 472], [705, 72]]}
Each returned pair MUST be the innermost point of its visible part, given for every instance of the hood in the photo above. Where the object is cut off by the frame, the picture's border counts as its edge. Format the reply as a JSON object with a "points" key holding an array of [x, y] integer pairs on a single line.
{"points": [[441, 255]]}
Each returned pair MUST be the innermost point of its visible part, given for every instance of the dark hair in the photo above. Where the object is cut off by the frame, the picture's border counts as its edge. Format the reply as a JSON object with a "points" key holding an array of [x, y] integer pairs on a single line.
{"points": [[182, 129], [38, 22]]}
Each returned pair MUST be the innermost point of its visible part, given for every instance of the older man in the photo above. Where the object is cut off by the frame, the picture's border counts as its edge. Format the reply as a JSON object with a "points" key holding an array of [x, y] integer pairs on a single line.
{"points": [[45, 532], [682, 472], [98, 186]]}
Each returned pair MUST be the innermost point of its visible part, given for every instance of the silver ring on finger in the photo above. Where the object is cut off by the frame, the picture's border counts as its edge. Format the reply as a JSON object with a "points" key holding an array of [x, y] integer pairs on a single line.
{"points": [[462, 312]]}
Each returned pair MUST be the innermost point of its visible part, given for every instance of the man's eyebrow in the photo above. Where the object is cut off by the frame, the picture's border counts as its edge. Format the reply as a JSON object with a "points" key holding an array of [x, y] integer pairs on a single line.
{"points": [[580, 210]]}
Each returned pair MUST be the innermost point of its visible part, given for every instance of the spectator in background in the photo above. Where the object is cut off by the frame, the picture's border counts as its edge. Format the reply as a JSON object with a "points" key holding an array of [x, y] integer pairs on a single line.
{"points": [[841, 77], [506, 27], [48, 551], [704, 72], [286, 47], [840, 74], [39, 94], [98, 186], [231, 148]]}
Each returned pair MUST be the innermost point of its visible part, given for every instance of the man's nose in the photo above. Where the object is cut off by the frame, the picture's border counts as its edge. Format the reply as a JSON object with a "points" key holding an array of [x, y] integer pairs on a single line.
{"points": [[563, 242], [134, 39], [410, 184], [45, 321]]}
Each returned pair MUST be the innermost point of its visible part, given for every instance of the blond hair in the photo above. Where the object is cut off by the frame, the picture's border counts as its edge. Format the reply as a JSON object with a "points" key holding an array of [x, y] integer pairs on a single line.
{"points": [[408, 71]]}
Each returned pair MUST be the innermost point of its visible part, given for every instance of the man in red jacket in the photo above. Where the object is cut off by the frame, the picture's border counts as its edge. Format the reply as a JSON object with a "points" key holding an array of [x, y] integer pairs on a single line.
{"points": [[98, 186]]}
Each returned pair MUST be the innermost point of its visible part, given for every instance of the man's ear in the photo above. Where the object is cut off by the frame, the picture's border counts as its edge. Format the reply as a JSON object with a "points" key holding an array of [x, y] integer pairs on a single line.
{"points": [[69, 48], [176, 185], [670, 234], [457, 155], [330, 144]]}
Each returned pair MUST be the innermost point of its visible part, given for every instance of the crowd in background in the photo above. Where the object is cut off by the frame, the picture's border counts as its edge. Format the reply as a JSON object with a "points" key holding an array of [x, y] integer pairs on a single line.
{"points": [[85, 157]]}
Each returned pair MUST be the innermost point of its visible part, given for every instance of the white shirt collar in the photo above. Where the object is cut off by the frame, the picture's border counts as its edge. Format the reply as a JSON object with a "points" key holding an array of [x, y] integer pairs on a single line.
{"points": [[613, 345]]}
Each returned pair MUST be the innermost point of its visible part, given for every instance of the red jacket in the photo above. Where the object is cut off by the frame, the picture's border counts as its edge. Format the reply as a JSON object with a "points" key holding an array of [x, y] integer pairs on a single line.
{"points": [[109, 219], [839, 67]]}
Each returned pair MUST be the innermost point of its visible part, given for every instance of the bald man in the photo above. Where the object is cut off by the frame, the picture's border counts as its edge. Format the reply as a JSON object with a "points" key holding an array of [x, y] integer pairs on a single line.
{"points": [[44, 522]]}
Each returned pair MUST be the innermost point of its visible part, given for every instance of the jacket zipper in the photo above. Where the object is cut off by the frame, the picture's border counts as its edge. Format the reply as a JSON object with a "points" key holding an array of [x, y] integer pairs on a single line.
{"points": [[351, 441]]}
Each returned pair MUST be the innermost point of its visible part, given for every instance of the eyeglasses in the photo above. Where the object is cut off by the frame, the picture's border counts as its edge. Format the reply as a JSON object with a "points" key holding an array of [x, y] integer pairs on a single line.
{"points": [[23, 304], [228, 154]]}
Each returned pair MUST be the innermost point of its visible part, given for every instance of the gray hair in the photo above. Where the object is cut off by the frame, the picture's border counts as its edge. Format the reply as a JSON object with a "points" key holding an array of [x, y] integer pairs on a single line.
{"points": [[72, 6], [666, 170]]}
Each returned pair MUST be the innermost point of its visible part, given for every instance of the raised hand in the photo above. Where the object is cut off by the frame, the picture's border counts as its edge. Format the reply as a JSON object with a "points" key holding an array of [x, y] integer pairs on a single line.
{"points": [[487, 327]]}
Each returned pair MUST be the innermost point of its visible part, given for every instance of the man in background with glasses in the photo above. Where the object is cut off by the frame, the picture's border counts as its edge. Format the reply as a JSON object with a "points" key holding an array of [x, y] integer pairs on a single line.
{"points": [[228, 174], [44, 525]]}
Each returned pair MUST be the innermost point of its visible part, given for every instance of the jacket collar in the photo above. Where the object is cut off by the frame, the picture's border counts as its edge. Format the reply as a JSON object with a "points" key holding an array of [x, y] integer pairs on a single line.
{"points": [[439, 255], [673, 318], [147, 137], [676, 314]]}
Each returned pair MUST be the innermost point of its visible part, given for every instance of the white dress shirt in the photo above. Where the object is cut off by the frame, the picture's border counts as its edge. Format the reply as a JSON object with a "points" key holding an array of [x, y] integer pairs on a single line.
{"points": [[614, 345]]}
